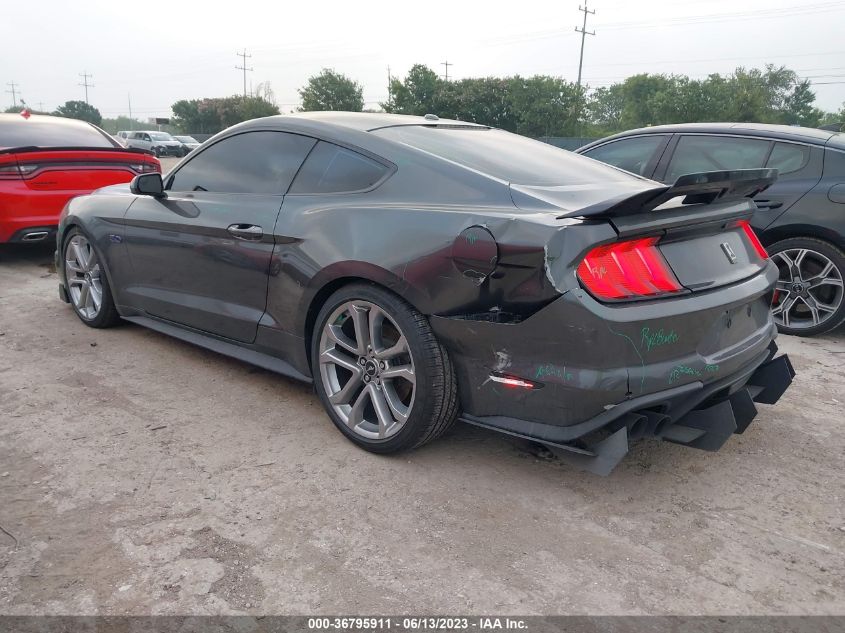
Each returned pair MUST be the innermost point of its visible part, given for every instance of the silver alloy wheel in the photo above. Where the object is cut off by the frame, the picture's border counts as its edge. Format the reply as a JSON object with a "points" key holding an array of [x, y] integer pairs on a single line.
{"points": [[367, 370], [82, 271], [809, 288]]}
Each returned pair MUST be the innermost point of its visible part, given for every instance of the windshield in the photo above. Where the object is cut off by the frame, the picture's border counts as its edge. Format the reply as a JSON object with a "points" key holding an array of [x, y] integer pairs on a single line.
{"points": [[161, 136], [503, 155], [187, 139]]}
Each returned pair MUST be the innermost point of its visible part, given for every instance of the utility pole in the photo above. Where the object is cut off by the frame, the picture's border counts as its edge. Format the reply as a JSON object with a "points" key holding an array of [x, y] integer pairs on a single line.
{"points": [[244, 57], [584, 32], [131, 120], [389, 96], [13, 92], [85, 77], [41, 106], [447, 64]]}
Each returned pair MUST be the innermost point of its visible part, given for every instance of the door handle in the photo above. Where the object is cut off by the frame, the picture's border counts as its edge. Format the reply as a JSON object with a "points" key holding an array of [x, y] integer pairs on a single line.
{"points": [[246, 231], [768, 204]]}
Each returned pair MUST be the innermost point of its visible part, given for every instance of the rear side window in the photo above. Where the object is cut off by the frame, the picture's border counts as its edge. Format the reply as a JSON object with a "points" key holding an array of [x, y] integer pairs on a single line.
{"points": [[630, 154], [333, 169], [788, 157], [15, 131], [715, 153], [252, 162]]}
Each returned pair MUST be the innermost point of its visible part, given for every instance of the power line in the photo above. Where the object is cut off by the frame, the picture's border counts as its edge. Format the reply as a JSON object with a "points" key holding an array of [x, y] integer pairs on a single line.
{"points": [[584, 33], [447, 64], [13, 86], [244, 68], [85, 76]]}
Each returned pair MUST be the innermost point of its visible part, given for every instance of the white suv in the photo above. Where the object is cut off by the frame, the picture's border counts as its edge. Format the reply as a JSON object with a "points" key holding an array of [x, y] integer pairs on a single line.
{"points": [[160, 143]]}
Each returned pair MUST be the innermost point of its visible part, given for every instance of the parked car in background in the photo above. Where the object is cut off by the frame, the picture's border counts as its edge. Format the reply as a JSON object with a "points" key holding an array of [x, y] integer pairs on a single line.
{"points": [[800, 219], [189, 144], [159, 143], [123, 137], [45, 161], [418, 269]]}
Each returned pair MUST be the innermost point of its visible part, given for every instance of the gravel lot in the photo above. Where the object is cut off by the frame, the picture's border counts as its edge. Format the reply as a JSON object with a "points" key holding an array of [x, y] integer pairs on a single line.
{"points": [[139, 475]]}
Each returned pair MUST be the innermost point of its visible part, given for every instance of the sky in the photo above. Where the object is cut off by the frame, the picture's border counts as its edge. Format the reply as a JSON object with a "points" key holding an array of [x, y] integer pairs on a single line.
{"points": [[154, 53]]}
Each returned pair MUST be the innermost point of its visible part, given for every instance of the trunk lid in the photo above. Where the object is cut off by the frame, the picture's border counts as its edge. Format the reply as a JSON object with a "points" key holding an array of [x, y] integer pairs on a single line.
{"points": [[74, 168], [698, 227]]}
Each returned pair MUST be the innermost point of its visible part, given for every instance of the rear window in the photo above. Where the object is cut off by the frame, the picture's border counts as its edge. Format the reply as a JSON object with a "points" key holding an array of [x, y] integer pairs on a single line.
{"points": [[15, 131], [503, 155], [333, 169]]}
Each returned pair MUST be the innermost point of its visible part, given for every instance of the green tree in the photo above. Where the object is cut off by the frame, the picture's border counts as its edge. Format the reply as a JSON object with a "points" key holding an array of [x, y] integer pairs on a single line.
{"points": [[769, 95], [544, 106], [211, 115], [534, 106], [331, 90], [79, 110], [798, 106], [420, 93]]}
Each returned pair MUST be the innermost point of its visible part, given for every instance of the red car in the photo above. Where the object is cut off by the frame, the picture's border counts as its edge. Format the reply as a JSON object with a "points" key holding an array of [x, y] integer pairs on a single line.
{"points": [[45, 161]]}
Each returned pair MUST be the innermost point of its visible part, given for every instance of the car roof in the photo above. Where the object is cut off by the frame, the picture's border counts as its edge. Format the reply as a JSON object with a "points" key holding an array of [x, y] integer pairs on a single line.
{"points": [[362, 121], [765, 130]]}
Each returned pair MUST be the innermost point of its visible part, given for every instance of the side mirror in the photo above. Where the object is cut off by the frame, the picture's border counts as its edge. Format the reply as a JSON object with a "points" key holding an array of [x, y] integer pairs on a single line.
{"points": [[147, 185]]}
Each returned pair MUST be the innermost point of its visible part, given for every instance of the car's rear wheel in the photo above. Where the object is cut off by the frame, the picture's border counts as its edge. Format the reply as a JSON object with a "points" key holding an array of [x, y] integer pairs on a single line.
{"points": [[384, 379], [809, 297], [86, 282]]}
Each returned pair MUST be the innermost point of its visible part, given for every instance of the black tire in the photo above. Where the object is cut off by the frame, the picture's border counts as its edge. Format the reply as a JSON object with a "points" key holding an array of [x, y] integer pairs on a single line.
{"points": [[837, 258], [107, 316], [434, 406]]}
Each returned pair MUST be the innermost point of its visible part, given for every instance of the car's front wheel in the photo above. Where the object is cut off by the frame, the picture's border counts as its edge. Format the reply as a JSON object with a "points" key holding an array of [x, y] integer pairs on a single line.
{"points": [[384, 379], [86, 282], [809, 298]]}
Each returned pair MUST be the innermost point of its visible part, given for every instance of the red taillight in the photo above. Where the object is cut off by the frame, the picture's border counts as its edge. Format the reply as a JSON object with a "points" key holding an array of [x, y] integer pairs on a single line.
{"points": [[755, 241], [627, 270]]}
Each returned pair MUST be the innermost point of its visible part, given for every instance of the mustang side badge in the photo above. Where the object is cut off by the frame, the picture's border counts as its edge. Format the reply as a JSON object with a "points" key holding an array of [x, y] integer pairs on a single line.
{"points": [[729, 252]]}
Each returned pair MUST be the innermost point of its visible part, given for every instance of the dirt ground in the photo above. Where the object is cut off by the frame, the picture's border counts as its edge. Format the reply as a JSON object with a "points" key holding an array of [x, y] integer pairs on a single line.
{"points": [[140, 475]]}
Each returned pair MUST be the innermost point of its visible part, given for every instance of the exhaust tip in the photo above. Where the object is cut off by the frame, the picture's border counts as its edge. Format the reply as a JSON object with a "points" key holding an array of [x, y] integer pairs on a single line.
{"points": [[35, 236]]}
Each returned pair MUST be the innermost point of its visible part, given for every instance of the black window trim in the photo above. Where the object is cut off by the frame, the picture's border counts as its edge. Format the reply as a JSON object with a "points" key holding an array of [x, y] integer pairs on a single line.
{"points": [[659, 151], [391, 168]]}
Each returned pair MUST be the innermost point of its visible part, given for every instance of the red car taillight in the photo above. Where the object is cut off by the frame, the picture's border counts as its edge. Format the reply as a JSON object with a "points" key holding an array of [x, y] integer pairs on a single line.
{"points": [[755, 241], [628, 270]]}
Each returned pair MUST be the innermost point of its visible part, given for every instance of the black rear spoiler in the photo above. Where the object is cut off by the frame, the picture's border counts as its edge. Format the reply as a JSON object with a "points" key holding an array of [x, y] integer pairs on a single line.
{"points": [[702, 188], [34, 148]]}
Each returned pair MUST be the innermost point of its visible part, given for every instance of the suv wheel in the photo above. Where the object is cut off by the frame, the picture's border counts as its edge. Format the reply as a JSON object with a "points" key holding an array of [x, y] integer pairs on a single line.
{"points": [[809, 298]]}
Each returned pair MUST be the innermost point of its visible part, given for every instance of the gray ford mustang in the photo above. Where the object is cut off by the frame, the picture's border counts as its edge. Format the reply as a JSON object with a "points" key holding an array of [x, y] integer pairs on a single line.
{"points": [[420, 271]]}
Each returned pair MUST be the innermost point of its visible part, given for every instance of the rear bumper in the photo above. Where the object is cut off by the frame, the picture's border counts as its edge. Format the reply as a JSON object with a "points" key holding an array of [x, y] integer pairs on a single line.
{"points": [[591, 364], [694, 415], [32, 235]]}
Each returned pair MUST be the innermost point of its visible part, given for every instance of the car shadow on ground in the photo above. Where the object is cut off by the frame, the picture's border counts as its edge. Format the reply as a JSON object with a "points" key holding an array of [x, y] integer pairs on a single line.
{"points": [[40, 254]]}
